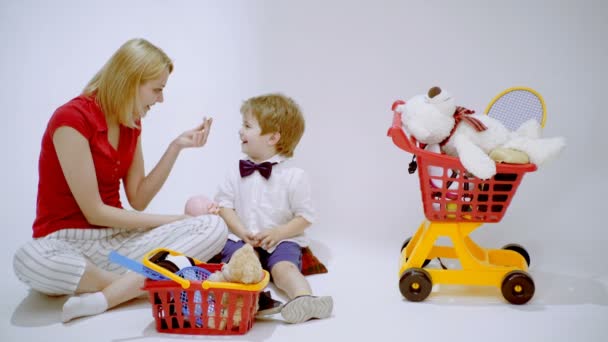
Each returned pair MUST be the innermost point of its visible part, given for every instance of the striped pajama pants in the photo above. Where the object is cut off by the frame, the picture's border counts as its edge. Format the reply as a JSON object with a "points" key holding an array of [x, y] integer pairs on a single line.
{"points": [[54, 264]]}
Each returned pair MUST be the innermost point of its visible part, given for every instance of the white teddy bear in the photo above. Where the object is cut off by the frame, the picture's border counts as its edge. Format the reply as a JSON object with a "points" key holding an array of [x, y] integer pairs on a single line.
{"points": [[434, 118]]}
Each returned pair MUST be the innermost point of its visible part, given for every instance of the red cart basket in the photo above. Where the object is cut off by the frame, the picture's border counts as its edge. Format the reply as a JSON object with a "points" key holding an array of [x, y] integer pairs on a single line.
{"points": [[449, 192]]}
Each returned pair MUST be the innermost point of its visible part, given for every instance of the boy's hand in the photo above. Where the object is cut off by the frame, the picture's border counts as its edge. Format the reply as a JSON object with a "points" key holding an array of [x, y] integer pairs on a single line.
{"points": [[268, 238], [249, 238], [213, 208]]}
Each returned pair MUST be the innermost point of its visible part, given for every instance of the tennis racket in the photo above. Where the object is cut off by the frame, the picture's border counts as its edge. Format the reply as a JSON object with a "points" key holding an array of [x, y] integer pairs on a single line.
{"points": [[516, 105], [134, 266]]}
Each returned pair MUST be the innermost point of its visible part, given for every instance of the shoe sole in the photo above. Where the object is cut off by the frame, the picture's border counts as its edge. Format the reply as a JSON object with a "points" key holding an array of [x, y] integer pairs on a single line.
{"points": [[304, 308], [268, 312]]}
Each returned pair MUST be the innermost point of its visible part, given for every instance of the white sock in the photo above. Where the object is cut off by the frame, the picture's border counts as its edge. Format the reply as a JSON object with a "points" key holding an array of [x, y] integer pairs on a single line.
{"points": [[87, 304]]}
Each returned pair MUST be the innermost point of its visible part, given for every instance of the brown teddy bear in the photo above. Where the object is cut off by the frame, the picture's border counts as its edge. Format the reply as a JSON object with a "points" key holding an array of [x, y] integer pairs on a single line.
{"points": [[244, 267]]}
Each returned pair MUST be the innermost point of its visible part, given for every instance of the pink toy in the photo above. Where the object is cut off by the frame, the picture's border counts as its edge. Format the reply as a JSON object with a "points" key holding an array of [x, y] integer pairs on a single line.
{"points": [[201, 205]]}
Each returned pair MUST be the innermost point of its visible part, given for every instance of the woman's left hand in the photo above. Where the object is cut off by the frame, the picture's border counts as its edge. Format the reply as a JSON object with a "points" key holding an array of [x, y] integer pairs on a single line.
{"points": [[196, 137]]}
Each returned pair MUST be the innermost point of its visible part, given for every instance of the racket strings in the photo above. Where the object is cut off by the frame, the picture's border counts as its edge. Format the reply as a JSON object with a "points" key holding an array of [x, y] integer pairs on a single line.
{"points": [[516, 107]]}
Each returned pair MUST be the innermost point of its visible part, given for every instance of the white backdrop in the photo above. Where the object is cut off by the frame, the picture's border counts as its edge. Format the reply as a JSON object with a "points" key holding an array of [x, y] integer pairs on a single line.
{"points": [[345, 62]]}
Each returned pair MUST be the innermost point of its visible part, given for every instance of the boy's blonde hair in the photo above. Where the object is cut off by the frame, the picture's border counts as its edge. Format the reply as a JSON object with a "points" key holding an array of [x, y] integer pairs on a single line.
{"points": [[278, 113], [116, 85]]}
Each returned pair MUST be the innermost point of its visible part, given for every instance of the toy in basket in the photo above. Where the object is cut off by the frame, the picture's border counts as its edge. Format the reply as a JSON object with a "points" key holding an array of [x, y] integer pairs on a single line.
{"points": [[457, 201], [199, 305]]}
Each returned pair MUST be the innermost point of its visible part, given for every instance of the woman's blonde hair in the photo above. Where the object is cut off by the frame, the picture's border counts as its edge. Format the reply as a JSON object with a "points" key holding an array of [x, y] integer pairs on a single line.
{"points": [[116, 85], [278, 113]]}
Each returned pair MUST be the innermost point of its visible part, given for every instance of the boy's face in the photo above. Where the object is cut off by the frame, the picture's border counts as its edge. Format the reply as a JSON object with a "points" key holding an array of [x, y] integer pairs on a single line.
{"points": [[258, 147]]}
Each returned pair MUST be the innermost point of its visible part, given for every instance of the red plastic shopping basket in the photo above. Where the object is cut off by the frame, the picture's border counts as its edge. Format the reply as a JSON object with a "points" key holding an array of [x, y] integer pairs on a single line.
{"points": [[204, 307], [449, 192]]}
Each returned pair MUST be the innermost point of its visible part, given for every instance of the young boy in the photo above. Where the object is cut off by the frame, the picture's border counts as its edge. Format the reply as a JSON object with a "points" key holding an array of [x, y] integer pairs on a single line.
{"points": [[266, 202]]}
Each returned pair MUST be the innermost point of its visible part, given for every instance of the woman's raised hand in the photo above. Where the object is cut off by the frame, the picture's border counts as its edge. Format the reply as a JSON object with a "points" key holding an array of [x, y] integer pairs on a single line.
{"points": [[196, 137]]}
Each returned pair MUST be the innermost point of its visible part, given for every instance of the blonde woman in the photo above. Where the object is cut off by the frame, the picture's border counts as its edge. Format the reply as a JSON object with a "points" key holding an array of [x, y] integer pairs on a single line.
{"points": [[90, 145]]}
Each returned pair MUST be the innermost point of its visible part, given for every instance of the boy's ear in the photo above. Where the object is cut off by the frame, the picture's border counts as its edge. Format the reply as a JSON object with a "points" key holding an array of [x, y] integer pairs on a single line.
{"points": [[274, 138]]}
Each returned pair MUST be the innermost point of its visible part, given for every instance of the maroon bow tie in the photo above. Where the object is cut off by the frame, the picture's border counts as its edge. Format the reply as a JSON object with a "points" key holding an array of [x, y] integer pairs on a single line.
{"points": [[247, 167]]}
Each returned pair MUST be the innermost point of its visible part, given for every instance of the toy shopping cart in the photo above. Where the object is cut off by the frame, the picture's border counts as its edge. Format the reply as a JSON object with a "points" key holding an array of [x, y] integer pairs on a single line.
{"points": [[186, 306], [456, 203]]}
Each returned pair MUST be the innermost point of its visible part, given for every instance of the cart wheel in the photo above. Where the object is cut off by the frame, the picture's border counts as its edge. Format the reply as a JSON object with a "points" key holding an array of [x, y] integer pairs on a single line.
{"points": [[405, 243], [520, 250], [415, 284], [517, 287]]}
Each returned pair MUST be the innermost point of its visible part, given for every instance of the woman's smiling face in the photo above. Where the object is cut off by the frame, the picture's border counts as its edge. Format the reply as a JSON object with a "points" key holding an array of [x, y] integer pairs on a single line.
{"points": [[151, 92]]}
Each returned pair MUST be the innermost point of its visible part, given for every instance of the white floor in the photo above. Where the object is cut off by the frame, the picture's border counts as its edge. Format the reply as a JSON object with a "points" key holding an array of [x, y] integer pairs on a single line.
{"points": [[368, 306]]}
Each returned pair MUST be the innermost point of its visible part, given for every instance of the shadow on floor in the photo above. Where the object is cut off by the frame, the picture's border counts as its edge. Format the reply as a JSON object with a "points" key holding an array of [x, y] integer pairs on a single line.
{"points": [[262, 330], [38, 310], [561, 289], [551, 289], [321, 251]]}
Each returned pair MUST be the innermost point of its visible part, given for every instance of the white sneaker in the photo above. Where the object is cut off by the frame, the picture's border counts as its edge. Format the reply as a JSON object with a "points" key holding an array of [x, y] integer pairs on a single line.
{"points": [[303, 308], [267, 305]]}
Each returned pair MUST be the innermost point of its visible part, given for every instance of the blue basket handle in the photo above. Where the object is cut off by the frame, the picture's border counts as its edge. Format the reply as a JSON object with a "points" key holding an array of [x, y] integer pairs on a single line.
{"points": [[135, 266]]}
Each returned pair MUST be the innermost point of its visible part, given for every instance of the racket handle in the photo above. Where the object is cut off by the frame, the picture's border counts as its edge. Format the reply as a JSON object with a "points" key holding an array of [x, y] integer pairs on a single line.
{"points": [[133, 265]]}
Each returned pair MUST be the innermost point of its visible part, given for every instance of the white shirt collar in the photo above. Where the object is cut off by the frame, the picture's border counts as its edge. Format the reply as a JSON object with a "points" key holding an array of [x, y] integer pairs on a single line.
{"points": [[277, 158]]}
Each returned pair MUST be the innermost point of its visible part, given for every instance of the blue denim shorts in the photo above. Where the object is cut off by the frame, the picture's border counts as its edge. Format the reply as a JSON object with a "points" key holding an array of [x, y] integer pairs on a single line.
{"points": [[285, 251]]}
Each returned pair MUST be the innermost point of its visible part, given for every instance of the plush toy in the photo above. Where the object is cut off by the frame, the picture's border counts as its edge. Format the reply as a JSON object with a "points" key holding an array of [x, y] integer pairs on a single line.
{"points": [[200, 205], [434, 119], [244, 267], [172, 263]]}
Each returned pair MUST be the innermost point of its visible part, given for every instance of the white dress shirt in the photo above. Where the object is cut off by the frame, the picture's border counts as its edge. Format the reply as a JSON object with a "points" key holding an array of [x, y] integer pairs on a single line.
{"points": [[263, 204]]}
